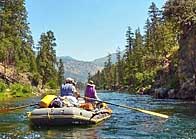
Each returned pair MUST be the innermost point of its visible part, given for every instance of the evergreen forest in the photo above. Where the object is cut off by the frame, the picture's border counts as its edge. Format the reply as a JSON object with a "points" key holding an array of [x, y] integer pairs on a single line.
{"points": [[161, 57]]}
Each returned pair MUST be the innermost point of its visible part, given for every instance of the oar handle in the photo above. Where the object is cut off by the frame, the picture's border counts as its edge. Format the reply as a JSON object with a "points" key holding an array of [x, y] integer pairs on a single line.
{"points": [[93, 99], [15, 108], [24, 106]]}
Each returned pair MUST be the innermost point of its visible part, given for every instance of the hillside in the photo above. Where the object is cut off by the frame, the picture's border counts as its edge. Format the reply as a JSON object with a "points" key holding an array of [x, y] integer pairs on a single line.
{"points": [[79, 69], [11, 76], [100, 61]]}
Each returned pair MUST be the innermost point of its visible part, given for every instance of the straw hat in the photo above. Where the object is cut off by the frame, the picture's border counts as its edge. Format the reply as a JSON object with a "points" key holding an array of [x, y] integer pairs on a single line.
{"points": [[91, 82]]}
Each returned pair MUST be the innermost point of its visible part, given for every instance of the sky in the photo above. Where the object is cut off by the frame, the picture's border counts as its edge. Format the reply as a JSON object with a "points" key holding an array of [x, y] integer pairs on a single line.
{"points": [[87, 29]]}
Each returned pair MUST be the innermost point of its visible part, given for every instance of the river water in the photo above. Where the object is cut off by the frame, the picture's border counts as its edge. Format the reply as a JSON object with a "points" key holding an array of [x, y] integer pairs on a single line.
{"points": [[124, 123]]}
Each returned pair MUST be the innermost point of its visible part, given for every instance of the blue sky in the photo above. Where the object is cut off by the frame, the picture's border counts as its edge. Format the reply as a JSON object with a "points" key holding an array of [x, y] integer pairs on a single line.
{"points": [[87, 29]]}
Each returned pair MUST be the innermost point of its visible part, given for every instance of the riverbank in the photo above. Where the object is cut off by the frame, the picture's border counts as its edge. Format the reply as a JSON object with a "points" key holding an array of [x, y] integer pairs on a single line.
{"points": [[18, 90], [184, 92]]}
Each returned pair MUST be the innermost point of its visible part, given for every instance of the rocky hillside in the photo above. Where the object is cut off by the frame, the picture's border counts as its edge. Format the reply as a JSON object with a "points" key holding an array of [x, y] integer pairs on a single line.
{"points": [[100, 61], [9, 75], [179, 81], [79, 69]]}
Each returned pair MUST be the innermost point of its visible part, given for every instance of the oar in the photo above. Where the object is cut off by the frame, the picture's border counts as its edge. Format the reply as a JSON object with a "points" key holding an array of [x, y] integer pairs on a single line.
{"points": [[132, 108], [3, 110]]}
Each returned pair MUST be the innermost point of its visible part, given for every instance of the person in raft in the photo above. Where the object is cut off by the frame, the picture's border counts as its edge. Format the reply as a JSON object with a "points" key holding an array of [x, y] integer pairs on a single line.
{"points": [[69, 91], [90, 92]]}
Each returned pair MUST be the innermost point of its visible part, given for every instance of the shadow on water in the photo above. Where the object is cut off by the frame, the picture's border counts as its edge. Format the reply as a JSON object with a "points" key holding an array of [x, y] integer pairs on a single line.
{"points": [[26, 131], [66, 131], [123, 124]]}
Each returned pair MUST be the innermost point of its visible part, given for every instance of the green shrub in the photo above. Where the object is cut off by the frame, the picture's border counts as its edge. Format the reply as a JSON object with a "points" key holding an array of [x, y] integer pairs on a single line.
{"points": [[16, 87], [35, 79], [20, 90], [52, 84], [26, 89], [3, 87]]}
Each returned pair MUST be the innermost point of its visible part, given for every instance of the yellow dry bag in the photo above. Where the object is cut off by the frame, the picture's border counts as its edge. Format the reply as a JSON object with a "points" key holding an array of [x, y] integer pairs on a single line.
{"points": [[45, 102]]}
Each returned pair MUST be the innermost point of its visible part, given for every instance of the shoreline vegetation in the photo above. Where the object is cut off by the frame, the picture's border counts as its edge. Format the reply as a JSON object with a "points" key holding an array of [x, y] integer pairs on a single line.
{"points": [[18, 90], [14, 85]]}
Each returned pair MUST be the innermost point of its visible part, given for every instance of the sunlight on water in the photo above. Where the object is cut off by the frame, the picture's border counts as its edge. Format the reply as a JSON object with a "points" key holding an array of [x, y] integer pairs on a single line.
{"points": [[123, 124]]}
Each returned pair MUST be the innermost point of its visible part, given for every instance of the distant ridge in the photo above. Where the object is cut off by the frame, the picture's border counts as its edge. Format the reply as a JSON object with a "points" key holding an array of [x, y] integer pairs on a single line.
{"points": [[101, 61], [66, 58], [79, 70]]}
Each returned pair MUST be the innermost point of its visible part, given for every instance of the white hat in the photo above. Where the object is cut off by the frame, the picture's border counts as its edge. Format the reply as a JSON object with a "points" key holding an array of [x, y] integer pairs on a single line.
{"points": [[69, 79]]}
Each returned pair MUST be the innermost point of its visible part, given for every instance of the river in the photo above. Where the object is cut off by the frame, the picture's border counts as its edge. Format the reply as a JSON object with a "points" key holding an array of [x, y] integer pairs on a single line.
{"points": [[124, 123]]}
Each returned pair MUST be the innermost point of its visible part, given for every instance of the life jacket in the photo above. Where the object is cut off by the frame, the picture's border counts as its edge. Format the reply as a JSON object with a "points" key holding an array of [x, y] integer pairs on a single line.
{"points": [[67, 89], [90, 91]]}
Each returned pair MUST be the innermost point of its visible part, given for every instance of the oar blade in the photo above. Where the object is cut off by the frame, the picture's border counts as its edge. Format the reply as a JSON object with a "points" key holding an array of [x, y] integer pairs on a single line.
{"points": [[153, 113], [145, 111], [4, 110]]}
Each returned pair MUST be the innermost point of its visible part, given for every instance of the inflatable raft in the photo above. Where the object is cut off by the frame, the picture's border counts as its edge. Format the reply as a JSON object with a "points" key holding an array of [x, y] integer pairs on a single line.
{"points": [[67, 116]]}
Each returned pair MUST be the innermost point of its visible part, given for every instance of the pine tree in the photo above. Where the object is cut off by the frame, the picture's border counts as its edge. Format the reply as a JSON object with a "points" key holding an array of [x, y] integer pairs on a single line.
{"points": [[154, 15], [114, 77], [61, 72], [109, 70], [15, 37], [119, 67], [98, 79], [127, 56], [89, 76], [138, 50], [46, 58], [129, 39]]}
